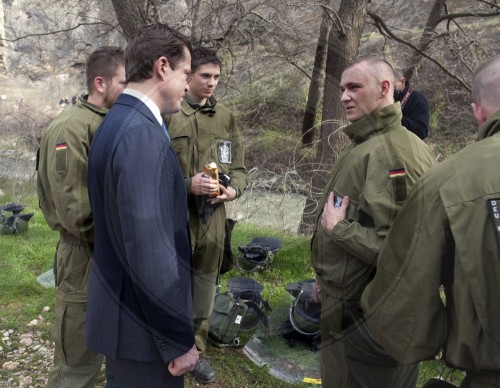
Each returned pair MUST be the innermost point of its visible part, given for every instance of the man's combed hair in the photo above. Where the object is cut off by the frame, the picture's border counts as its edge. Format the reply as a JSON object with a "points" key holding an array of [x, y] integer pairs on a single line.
{"points": [[103, 62], [202, 56], [150, 43]]}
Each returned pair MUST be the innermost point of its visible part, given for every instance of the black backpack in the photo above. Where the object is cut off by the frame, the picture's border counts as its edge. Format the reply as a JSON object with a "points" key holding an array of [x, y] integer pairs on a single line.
{"points": [[241, 308], [304, 316]]}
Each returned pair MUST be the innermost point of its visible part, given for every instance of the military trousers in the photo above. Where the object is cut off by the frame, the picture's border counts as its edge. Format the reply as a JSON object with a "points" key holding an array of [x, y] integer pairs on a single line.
{"points": [[207, 241], [351, 357], [74, 365]]}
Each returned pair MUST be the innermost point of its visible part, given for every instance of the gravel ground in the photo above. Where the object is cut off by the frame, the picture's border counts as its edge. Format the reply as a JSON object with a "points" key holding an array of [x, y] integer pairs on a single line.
{"points": [[26, 356]]}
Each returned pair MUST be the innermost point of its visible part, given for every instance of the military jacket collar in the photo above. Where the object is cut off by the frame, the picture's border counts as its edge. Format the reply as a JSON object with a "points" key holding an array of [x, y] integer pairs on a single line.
{"points": [[380, 121], [83, 103], [490, 126], [189, 108]]}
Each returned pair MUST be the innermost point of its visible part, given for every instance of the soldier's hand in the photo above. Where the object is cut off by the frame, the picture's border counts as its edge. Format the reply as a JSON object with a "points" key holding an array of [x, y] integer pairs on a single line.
{"points": [[185, 363], [202, 185], [227, 194], [332, 216]]}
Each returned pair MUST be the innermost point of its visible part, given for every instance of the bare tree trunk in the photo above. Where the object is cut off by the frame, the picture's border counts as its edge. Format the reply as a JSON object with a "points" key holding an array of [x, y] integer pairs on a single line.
{"points": [[3, 51], [195, 29], [131, 15], [427, 36], [343, 45], [314, 95]]}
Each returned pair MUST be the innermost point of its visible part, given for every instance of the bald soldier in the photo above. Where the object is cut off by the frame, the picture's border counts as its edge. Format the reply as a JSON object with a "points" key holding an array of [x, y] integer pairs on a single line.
{"points": [[368, 185], [448, 233]]}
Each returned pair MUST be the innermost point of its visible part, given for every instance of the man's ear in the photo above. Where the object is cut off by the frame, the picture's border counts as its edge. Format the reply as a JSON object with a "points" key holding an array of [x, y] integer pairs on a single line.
{"points": [[385, 87], [99, 84], [161, 66], [479, 112]]}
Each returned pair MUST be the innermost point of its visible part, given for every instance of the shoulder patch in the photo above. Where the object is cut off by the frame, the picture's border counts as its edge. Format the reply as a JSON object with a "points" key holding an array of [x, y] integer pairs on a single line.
{"points": [[398, 179], [61, 146], [397, 172], [494, 208]]}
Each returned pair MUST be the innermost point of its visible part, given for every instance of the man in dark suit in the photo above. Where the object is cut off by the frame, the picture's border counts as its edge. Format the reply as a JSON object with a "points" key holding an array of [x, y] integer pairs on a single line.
{"points": [[140, 301]]}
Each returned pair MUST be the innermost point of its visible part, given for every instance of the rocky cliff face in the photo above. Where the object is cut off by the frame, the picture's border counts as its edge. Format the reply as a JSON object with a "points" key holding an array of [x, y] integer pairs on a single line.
{"points": [[46, 43], [41, 38]]}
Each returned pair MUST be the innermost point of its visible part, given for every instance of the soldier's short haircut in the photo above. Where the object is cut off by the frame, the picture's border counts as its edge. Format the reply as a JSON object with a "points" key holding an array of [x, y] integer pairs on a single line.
{"points": [[202, 56], [150, 43], [379, 68], [103, 62], [486, 84]]}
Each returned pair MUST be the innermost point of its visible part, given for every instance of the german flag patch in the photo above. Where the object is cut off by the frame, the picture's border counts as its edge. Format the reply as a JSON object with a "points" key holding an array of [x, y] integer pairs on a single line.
{"points": [[397, 172], [61, 146]]}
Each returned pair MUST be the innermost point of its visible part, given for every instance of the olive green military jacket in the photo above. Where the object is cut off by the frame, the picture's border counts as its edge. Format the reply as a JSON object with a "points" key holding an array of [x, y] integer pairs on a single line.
{"points": [[448, 233], [376, 171], [62, 170], [204, 136]]}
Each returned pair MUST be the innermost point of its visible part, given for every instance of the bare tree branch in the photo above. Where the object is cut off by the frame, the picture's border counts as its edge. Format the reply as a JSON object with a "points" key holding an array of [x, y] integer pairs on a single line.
{"points": [[452, 16], [336, 20], [492, 5], [385, 30], [39, 34]]}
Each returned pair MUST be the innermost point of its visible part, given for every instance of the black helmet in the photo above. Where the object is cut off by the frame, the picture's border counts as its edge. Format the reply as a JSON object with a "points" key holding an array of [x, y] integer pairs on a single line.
{"points": [[305, 313], [16, 223], [304, 316], [258, 254]]}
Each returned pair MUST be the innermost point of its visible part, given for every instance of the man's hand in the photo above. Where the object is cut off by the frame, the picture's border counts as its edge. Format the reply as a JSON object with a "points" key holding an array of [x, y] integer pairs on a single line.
{"points": [[227, 194], [185, 363], [202, 185], [332, 216]]}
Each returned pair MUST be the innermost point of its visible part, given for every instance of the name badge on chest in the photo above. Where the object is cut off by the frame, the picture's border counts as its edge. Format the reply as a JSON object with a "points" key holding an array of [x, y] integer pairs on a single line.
{"points": [[225, 151]]}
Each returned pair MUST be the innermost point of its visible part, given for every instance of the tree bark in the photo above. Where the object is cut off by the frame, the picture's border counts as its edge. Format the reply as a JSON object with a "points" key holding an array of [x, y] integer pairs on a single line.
{"points": [[343, 45], [313, 99], [131, 15], [427, 36], [3, 51], [195, 29]]}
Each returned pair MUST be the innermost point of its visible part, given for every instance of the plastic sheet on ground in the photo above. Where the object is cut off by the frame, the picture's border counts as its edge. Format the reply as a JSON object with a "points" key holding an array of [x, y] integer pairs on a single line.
{"points": [[47, 279], [292, 365]]}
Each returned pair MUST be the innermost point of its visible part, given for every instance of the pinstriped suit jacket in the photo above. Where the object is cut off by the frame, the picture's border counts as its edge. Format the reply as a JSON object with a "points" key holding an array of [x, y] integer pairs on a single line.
{"points": [[139, 304]]}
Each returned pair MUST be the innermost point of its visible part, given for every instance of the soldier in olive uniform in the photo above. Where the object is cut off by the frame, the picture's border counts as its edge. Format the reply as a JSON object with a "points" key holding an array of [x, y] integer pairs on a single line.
{"points": [[63, 196], [369, 183], [205, 131], [448, 233]]}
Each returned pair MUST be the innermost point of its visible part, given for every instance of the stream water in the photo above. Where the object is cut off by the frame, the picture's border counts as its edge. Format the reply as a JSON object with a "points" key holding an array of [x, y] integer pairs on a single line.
{"points": [[276, 210]]}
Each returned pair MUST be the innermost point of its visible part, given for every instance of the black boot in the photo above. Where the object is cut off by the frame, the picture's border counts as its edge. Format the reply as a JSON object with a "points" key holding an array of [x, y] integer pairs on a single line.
{"points": [[203, 373]]}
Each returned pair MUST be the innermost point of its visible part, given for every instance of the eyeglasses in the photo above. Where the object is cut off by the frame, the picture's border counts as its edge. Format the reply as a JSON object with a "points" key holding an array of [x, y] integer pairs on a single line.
{"points": [[189, 74]]}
